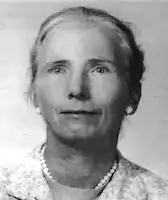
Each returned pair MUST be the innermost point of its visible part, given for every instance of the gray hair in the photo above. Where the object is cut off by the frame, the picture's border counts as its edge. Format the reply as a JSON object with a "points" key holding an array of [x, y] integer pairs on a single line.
{"points": [[120, 31]]}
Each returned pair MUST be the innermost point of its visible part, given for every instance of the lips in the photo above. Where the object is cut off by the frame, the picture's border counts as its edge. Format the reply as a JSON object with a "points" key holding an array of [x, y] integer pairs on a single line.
{"points": [[80, 117], [79, 112]]}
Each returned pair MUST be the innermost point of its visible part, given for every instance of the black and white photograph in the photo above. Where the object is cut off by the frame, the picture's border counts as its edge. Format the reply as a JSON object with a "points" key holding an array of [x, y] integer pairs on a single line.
{"points": [[84, 100]]}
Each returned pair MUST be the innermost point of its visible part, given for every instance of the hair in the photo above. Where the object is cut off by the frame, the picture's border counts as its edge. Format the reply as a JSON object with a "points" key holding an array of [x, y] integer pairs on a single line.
{"points": [[120, 30]]}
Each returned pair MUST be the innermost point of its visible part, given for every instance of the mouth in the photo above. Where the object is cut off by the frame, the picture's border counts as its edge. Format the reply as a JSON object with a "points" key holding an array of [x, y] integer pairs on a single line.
{"points": [[81, 116], [79, 112]]}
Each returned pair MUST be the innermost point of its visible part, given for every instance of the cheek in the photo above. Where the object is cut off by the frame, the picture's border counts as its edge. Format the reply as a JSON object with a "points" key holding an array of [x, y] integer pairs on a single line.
{"points": [[110, 94], [50, 91], [105, 89]]}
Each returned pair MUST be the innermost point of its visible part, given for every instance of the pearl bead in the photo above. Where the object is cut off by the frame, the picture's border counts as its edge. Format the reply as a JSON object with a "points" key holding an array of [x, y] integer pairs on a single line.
{"points": [[109, 174], [106, 178]]}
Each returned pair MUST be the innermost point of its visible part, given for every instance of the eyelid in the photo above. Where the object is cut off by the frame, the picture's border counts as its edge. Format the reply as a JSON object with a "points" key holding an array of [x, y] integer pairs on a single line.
{"points": [[105, 66], [99, 66], [62, 63], [56, 67]]}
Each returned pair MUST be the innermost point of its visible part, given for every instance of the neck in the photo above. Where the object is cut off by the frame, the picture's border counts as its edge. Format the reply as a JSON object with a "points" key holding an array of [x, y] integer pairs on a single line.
{"points": [[81, 163]]}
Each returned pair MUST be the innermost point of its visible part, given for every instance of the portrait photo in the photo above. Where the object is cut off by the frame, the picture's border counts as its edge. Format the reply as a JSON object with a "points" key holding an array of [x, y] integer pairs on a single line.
{"points": [[84, 100]]}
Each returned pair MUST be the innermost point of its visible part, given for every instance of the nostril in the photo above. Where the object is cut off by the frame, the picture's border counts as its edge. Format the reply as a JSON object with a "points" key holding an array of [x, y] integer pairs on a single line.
{"points": [[70, 95], [80, 96]]}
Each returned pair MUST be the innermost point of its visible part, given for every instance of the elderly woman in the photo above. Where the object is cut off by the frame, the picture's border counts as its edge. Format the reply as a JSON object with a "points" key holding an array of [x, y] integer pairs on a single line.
{"points": [[86, 78]]}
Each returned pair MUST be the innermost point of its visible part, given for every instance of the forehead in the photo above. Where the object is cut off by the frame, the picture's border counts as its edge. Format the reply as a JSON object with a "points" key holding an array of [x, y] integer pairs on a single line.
{"points": [[80, 40]]}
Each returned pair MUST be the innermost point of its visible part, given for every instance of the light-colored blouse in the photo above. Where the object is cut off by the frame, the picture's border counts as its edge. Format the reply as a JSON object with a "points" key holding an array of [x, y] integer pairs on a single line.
{"points": [[130, 182]]}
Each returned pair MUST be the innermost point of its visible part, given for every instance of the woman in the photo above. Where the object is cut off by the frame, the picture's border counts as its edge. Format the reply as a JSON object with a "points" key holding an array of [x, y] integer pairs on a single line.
{"points": [[86, 77]]}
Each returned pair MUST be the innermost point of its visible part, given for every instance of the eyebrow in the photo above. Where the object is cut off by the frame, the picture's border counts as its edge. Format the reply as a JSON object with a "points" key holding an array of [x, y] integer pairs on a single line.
{"points": [[59, 62], [90, 62], [99, 61]]}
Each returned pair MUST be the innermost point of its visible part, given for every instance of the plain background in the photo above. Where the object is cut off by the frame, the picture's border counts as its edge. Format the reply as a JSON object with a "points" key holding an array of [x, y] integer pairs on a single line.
{"points": [[144, 138]]}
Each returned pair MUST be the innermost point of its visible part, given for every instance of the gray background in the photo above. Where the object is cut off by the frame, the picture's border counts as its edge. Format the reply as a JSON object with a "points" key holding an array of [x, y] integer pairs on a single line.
{"points": [[144, 138]]}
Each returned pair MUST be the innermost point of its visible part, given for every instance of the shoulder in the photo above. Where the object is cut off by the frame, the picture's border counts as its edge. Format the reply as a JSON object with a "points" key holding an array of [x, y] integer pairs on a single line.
{"points": [[23, 179], [156, 186], [133, 182], [145, 181], [4, 180]]}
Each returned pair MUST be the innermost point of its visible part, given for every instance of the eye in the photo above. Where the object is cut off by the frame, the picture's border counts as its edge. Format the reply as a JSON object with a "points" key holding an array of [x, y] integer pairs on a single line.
{"points": [[102, 70], [57, 70]]}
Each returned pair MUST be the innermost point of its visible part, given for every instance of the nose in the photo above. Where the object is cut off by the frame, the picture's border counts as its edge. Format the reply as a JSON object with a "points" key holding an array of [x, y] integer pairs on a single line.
{"points": [[79, 88]]}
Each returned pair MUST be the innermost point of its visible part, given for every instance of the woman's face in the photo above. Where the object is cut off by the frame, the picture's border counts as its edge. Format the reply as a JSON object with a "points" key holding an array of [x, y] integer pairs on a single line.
{"points": [[78, 88]]}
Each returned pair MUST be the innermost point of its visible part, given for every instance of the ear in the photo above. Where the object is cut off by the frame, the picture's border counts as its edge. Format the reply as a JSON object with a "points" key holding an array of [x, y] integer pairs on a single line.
{"points": [[135, 98], [33, 96], [35, 101]]}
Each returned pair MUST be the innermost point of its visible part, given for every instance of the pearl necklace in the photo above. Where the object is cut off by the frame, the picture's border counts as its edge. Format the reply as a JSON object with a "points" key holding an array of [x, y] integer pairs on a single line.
{"points": [[102, 183]]}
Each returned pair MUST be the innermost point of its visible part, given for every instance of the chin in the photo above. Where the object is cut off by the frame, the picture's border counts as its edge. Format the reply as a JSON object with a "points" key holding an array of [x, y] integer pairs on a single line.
{"points": [[75, 131], [77, 128], [80, 131]]}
